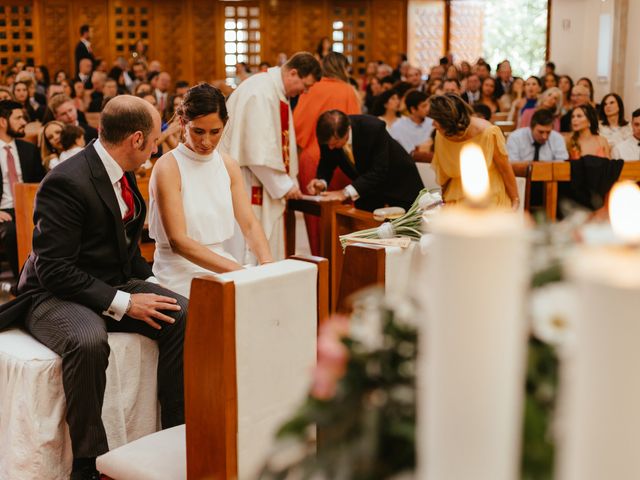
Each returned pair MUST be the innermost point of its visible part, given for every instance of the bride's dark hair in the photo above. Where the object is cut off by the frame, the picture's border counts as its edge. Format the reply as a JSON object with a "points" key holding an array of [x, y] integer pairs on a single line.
{"points": [[203, 99]]}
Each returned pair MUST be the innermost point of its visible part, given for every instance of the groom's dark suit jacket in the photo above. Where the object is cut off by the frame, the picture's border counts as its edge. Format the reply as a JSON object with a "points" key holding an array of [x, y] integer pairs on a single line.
{"points": [[80, 247]]}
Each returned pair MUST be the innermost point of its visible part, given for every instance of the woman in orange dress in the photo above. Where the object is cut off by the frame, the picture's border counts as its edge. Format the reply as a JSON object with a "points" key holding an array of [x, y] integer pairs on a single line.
{"points": [[332, 92]]}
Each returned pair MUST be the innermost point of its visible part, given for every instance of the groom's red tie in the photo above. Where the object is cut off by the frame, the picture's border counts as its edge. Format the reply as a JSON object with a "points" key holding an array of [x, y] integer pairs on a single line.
{"points": [[127, 196]]}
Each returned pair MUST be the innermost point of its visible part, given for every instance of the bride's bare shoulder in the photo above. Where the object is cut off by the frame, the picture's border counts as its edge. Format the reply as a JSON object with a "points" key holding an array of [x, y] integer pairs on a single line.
{"points": [[165, 169]]}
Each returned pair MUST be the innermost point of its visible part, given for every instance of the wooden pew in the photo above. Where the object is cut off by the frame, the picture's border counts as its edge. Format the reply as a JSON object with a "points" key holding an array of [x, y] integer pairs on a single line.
{"points": [[346, 219], [367, 265], [24, 203], [553, 172], [147, 245], [310, 205], [222, 439]]}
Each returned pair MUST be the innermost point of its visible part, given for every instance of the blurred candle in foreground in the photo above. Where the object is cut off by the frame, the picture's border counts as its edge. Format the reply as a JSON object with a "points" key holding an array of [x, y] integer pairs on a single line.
{"points": [[602, 386], [471, 369]]}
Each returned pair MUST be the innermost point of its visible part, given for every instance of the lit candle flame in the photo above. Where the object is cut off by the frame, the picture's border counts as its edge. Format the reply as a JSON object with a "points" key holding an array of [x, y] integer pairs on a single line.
{"points": [[475, 177], [624, 211]]}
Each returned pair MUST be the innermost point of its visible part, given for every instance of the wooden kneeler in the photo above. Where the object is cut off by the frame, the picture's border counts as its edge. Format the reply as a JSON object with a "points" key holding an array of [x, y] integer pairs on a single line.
{"points": [[218, 442]]}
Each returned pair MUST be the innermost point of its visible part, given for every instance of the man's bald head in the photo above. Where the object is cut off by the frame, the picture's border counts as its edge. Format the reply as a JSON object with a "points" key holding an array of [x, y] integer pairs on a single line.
{"points": [[125, 115]]}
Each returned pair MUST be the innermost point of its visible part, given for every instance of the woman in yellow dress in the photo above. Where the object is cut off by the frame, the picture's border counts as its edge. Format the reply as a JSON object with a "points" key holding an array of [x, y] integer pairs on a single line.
{"points": [[455, 128]]}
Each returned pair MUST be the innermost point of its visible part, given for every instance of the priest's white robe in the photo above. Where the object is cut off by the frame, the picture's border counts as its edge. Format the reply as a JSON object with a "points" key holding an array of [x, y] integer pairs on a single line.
{"points": [[253, 137]]}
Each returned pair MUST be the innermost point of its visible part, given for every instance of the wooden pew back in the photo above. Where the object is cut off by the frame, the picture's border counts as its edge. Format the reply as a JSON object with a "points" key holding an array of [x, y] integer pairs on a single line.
{"points": [[214, 361], [24, 202]]}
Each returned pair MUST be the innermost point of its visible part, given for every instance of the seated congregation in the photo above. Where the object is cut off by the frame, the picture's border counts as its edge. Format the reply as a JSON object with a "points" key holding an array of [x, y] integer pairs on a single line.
{"points": [[211, 179]]}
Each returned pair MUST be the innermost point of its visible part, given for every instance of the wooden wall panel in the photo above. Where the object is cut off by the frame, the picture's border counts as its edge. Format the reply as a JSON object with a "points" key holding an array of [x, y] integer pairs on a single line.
{"points": [[315, 23], [186, 36], [96, 14], [206, 40], [280, 28], [54, 36], [169, 34], [388, 34]]}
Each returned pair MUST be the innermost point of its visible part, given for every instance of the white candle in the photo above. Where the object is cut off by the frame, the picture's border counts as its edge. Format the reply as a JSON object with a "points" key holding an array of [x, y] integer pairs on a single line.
{"points": [[602, 388], [471, 370]]}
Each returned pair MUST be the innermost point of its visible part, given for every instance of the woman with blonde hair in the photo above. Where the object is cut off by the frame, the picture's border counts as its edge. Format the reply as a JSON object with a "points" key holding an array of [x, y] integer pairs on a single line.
{"points": [[332, 92], [50, 144], [550, 99], [455, 128], [509, 100]]}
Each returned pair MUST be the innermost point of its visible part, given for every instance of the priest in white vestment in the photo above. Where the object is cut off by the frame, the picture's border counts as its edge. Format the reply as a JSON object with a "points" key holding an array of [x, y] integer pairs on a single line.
{"points": [[260, 136]]}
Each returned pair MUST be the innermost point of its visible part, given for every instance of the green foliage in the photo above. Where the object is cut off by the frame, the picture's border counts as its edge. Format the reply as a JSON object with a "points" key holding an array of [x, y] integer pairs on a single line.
{"points": [[516, 30], [542, 382], [367, 430]]}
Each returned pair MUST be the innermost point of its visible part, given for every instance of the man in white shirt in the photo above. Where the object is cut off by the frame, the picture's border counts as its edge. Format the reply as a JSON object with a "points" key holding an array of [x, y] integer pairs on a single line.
{"points": [[537, 142], [162, 91], [20, 162], [413, 130], [85, 276], [629, 149]]}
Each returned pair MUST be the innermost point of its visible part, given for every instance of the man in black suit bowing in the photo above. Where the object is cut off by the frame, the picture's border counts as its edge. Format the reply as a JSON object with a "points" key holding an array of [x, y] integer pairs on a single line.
{"points": [[383, 173], [20, 162], [86, 277]]}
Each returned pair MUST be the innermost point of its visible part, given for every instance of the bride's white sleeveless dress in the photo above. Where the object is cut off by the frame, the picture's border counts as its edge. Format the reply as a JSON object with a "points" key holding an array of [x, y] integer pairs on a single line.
{"points": [[208, 212]]}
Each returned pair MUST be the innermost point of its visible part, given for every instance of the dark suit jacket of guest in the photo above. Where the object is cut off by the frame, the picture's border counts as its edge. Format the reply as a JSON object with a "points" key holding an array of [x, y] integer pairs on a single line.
{"points": [[83, 52], [90, 133], [30, 163], [384, 173], [87, 83], [80, 249]]}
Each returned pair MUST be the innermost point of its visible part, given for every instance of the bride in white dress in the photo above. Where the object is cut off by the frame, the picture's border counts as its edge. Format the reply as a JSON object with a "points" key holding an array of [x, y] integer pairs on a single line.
{"points": [[195, 195]]}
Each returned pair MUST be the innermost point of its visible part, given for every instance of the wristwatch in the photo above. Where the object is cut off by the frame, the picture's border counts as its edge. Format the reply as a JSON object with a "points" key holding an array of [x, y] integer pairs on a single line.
{"points": [[129, 305]]}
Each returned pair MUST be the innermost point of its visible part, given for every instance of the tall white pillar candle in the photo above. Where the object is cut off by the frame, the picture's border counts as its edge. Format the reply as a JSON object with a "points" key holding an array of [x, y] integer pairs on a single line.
{"points": [[473, 350], [602, 387]]}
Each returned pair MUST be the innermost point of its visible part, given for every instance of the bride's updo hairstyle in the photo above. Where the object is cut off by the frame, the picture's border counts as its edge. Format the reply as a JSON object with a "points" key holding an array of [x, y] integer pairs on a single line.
{"points": [[451, 112], [201, 100]]}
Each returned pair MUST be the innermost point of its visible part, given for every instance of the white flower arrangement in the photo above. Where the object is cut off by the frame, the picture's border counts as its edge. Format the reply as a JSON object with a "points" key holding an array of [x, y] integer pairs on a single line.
{"points": [[410, 225]]}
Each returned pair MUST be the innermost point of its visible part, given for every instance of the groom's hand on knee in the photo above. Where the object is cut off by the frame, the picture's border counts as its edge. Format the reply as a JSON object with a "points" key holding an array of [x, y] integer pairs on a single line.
{"points": [[148, 307]]}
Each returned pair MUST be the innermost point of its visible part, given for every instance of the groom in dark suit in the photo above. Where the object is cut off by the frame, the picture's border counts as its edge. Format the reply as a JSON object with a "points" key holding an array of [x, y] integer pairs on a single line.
{"points": [[382, 171], [86, 277]]}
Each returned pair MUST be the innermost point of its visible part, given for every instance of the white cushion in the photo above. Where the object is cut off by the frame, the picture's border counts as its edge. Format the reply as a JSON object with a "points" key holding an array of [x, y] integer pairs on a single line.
{"points": [[159, 456], [33, 431], [521, 183], [399, 264], [276, 323]]}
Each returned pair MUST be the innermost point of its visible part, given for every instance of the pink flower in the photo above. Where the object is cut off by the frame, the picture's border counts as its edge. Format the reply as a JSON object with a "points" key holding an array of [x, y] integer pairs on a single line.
{"points": [[332, 357]]}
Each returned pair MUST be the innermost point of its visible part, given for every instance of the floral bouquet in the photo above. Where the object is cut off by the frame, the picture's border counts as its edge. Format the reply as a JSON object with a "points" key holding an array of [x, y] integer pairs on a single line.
{"points": [[408, 226], [359, 419]]}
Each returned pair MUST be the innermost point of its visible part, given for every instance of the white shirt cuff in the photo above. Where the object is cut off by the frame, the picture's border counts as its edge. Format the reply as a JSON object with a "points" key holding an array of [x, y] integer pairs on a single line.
{"points": [[276, 183], [352, 192], [152, 279], [118, 306]]}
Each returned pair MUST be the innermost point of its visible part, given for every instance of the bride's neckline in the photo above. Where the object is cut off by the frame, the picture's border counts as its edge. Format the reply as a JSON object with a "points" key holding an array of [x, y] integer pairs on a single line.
{"points": [[187, 152]]}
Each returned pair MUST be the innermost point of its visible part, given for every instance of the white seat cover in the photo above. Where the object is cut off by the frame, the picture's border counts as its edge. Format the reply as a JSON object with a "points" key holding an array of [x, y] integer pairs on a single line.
{"points": [[276, 317], [159, 456], [33, 431], [398, 265]]}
